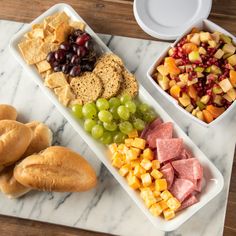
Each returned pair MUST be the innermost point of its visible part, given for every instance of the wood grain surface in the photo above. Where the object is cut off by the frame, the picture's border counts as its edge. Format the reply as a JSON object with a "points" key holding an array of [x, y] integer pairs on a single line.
{"points": [[119, 14]]}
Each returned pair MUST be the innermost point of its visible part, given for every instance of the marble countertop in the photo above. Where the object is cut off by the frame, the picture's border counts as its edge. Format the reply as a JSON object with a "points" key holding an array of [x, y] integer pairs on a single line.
{"points": [[108, 208]]}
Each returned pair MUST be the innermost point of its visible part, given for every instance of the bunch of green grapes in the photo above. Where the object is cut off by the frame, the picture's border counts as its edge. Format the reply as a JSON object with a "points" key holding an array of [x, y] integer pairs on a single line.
{"points": [[112, 120]]}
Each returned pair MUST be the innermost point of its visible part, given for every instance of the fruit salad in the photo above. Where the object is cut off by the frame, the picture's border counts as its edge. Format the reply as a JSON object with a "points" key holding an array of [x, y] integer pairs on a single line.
{"points": [[200, 73]]}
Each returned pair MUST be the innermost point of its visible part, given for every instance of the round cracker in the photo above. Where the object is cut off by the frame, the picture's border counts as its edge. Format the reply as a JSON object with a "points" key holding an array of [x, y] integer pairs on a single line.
{"points": [[87, 87], [111, 80], [110, 58], [129, 85]]}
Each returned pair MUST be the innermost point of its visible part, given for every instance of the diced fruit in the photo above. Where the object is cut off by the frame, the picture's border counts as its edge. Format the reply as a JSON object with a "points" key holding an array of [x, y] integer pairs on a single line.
{"points": [[200, 105], [189, 47], [165, 195], [199, 115], [199, 69], [194, 56], [232, 77], [219, 54], [192, 92], [232, 60], [202, 51], [205, 36], [232, 94], [215, 111], [173, 203], [189, 108], [193, 81], [227, 55], [185, 100], [216, 36], [164, 82], [208, 69], [212, 43], [172, 83], [207, 116], [169, 214], [205, 99], [215, 69], [225, 85], [160, 184], [218, 100], [195, 39], [171, 52], [156, 209], [175, 91], [163, 70], [217, 89], [227, 97], [229, 48], [171, 66], [146, 179], [156, 174], [225, 38]]}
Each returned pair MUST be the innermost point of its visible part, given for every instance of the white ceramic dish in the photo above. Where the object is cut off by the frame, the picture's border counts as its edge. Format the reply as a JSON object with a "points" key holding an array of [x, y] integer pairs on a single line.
{"points": [[212, 176], [167, 19], [202, 24]]}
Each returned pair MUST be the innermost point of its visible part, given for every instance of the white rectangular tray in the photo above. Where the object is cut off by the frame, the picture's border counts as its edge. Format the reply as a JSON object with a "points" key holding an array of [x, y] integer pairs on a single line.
{"points": [[213, 178]]}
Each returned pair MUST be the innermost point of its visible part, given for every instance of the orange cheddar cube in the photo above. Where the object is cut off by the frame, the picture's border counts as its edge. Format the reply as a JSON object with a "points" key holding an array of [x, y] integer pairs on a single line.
{"points": [[122, 148], [173, 203], [156, 164], [117, 162], [134, 163], [168, 214], [146, 164], [128, 142], [139, 170], [157, 193], [156, 209], [160, 184], [148, 197], [139, 143], [131, 155], [165, 195], [133, 181], [148, 154], [156, 174], [124, 170], [113, 148], [146, 179], [133, 134], [163, 205]]}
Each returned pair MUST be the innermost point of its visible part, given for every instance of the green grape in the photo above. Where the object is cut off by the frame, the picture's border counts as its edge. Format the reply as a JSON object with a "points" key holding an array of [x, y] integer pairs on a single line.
{"points": [[139, 124], [105, 116], [106, 138], [114, 102], [112, 126], [89, 110], [149, 116], [119, 138], [143, 108], [99, 122], [131, 106], [77, 111], [123, 112], [89, 124], [114, 113], [125, 127], [102, 104], [125, 98], [97, 131]]}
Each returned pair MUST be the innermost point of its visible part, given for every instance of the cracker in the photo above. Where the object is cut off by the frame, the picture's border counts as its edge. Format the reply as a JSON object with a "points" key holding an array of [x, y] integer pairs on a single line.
{"points": [[62, 32], [43, 66], [37, 26], [58, 19], [78, 25], [55, 80], [64, 94], [75, 101], [111, 57], [103, 63], [111, 80], [87, 87], [129, 85]]}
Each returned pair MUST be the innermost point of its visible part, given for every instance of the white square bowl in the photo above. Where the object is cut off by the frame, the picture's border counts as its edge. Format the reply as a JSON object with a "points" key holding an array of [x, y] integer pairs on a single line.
{"points": [[202, 24], [213, 178]]}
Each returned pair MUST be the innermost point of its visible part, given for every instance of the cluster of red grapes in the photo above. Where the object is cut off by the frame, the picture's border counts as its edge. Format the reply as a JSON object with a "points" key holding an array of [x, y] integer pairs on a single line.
{"points": [[75, 55]]}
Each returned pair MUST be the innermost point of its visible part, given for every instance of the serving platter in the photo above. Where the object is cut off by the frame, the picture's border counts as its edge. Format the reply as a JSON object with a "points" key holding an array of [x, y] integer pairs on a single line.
{"points": [[213, 178]]}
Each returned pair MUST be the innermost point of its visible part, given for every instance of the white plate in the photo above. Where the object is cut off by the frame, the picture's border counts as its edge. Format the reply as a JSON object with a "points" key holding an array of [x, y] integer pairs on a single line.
{"points": [[213, 178], [203, 25], [167, 19]]}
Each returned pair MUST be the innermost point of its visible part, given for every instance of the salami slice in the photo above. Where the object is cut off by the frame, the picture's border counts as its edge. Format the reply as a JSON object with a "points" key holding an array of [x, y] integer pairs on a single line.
{"points": [[168, 174], [188, 202], [185, 154], [150, 127], [168, 149]]}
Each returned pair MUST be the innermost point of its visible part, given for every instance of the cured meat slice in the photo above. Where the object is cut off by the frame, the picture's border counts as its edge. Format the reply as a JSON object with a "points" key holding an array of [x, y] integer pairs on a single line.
{"points": [[168, 174], [189, 201], [150, 127], [162, 131], [166, 166], [185, 154], [198, 186], [155, 123], [168, 149], [189, 169], [182, 188]]}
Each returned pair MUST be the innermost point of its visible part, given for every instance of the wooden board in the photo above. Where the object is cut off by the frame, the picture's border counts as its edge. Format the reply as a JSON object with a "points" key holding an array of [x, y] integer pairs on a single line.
{"points": [[119, 14]]}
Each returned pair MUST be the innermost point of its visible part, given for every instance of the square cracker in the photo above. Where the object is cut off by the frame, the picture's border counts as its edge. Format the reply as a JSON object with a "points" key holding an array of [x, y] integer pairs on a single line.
{"points": [[78, 25], [55, 80], [62, 32], [56, 21], [43, 66], [65, 95]]}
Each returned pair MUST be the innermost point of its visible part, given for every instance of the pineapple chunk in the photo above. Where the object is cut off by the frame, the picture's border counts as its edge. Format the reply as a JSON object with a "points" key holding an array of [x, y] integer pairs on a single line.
{"points": [[205, 99], [133, 181], [133, 134], [219, 53], [148, 154], [128, 142], [160, 184], [124, 170], [164, 82], [205, 36], [165, 195], [163, 205], [156, 164], [185, 100], [168, 214], [146, 179], [232, 60], [139, 143], [225, 85], [139, 170], [156, 174], [156, 209], [163, 70], [146, 164], [113, 148], [232, 94], [173, 203]]}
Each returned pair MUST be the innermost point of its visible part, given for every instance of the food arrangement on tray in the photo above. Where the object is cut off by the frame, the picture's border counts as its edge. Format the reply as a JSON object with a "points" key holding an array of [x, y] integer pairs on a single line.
{"points": [[200, 73]]}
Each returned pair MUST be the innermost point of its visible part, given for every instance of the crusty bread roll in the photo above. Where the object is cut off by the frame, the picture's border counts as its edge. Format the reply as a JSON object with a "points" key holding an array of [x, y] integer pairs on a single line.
{"points": [[14, 140], [42, 138], [56, 169], [7, 112], [9, 185]]}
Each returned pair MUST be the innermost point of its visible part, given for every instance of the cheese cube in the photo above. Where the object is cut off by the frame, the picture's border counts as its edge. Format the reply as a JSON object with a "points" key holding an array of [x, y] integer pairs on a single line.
{"points": [[124, 170], [117, 155], [163, 205], [117, 162], [133, 134], [148, 154], [146, 179], [139, 170], [173, 203], [157, 194], [168, 214], [165, 195], [161, 184], [131, 155], [113, 148], [133, 181], [128, 142], [146, 164], [134, 163], [139, 143], [122, 148], [156, 164], [156, 174], [155, 209]]}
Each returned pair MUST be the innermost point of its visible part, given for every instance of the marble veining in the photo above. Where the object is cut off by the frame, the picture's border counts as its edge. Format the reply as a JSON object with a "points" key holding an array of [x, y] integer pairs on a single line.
{"points": [[108, 208]]}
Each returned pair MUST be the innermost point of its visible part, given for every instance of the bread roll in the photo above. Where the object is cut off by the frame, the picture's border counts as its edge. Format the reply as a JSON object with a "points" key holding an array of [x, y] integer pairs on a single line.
{"points": [[7, 112], [9, 185], [56, 169], [14, 140]]}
